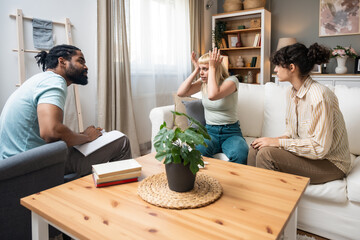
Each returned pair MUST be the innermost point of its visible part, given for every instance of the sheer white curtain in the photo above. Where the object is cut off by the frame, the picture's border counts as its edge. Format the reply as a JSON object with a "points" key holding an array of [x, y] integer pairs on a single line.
{"points": [[159, 55]]}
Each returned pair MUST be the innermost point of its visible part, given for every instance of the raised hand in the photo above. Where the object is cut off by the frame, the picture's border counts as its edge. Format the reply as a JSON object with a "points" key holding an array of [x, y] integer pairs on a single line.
{"points": [[194, 60], [215, 58]]}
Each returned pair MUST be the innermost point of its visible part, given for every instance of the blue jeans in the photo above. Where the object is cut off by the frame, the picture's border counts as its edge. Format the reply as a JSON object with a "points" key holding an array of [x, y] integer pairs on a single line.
{"points": [[227, 139]]}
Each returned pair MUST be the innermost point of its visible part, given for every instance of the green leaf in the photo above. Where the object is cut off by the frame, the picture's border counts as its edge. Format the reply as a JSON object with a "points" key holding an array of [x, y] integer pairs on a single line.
{"points": [[164, 139], [175, 152], [163, 125], [184, 152], [168, 159], [193, 137], [160, 155]]}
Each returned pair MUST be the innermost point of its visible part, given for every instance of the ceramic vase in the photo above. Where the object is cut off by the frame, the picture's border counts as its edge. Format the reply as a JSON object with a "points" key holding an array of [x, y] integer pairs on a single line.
{"points": [[180, 178], [341, 68]]}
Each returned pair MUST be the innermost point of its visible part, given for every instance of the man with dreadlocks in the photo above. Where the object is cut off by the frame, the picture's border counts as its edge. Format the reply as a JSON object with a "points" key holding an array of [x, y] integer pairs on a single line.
{"points": [[33, 114]]}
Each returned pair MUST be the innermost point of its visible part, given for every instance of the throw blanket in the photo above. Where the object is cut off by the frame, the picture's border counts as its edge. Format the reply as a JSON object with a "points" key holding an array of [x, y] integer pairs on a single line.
{"points": [[42, 34]]}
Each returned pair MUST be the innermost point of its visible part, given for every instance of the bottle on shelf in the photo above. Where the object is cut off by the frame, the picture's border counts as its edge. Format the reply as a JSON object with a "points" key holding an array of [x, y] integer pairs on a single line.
{"points": [[250, 77], [238, 44]]}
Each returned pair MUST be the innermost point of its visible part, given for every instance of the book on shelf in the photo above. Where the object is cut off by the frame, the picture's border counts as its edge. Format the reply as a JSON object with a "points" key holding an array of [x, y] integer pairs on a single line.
{"points": [[258, 61], [223, 43], [253, 61], [115, 182], [256, 40], [116, 177], [104, 139], [259, 41], [117, 167]]}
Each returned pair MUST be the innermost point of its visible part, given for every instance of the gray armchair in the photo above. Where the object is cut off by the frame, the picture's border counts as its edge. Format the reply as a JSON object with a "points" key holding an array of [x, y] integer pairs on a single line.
{"points": [[25, 174]]}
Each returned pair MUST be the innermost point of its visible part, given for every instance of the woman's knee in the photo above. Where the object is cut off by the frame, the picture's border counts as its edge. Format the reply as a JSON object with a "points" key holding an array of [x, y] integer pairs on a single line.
{"points": [[265, 157], [251, 160]]}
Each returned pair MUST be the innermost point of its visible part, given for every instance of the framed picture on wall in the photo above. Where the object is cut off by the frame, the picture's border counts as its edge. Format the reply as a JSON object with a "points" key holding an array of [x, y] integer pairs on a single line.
{"points": [[316, 69], [338, 17]]}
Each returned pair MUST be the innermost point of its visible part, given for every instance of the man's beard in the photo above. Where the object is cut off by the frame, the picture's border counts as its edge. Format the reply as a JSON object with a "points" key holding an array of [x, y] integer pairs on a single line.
{"points": [[77, 76]]}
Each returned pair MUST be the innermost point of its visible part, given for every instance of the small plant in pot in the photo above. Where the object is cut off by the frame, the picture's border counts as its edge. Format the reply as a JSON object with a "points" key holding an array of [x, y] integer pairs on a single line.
{"points": [[176, 148]]}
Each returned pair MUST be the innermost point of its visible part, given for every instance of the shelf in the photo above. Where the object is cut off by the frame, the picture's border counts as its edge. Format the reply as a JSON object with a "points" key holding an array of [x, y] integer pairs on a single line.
{"points": [[247, 38], [242, 30], [239, 48], [244, 68]]}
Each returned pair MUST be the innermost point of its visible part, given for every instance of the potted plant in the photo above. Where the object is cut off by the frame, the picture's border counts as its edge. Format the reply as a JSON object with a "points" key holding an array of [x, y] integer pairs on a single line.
{"points": [[177, 149], [218, 33]]}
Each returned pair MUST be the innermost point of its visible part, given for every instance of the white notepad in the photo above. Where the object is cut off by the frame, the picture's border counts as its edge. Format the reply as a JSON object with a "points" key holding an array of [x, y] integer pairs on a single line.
{"points": [[105, 138]]}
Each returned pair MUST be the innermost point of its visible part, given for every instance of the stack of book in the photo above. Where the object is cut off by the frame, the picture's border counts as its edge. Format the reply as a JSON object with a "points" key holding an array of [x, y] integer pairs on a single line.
{"points": [[111, 173]]}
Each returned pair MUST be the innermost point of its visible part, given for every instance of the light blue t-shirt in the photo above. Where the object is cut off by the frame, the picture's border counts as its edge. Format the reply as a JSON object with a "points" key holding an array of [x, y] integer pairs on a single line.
{"points": [[19, 126], [222, 111]]}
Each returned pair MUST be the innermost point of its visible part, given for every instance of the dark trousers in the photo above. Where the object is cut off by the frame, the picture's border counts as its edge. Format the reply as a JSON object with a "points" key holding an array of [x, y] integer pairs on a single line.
{"points": [[78, 163], [319, 170]]}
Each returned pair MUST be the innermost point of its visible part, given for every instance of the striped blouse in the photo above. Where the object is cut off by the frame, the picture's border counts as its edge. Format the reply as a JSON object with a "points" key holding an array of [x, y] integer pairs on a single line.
{"points": [[315, 125]]}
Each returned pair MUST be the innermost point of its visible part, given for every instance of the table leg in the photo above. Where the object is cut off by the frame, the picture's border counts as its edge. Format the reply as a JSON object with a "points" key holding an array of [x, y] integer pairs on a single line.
{"points": [[39, 227], [291, 227]]}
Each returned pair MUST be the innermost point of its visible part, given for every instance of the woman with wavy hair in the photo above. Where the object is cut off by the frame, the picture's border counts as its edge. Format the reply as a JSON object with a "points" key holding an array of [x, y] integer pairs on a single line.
{"points": [[315, 143]]}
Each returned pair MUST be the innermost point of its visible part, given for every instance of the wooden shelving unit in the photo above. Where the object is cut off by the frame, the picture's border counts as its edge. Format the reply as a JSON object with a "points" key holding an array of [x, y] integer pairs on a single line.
{"points": [[247, 50]]}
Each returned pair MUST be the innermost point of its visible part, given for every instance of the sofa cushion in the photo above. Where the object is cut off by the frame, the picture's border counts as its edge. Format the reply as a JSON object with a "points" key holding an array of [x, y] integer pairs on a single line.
{"points": [[250, 109], [274, 110], [353, 182], [334, 191], [181, 121], [195, 109], [349, 102]]}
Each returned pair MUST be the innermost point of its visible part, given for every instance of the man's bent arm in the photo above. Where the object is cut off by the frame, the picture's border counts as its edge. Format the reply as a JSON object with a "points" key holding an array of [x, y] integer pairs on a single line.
{"points": [[50, 119]]}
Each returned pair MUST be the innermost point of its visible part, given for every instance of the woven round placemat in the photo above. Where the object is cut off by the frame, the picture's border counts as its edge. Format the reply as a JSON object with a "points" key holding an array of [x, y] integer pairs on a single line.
{"points": [[155, 190]]}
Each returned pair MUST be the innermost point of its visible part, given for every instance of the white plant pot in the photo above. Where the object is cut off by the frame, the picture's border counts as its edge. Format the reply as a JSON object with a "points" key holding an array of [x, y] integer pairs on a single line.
{"points": [[341, 68]]}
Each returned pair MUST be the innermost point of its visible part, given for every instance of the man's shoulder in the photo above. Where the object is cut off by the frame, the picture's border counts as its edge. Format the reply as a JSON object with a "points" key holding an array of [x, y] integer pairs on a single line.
{"points": [[48, 77]]}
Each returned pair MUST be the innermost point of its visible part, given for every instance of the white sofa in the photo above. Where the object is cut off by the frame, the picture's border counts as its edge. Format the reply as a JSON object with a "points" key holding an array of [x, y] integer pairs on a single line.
{"points": [[331, 210]]}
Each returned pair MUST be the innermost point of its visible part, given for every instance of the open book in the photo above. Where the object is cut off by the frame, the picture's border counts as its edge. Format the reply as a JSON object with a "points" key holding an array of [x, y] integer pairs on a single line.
{"points": [[105, 138]]}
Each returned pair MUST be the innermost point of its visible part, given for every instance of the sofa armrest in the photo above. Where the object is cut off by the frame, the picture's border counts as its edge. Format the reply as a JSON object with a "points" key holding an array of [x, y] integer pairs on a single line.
{"points": [[157, 117], [24, 174], [33, 160]]}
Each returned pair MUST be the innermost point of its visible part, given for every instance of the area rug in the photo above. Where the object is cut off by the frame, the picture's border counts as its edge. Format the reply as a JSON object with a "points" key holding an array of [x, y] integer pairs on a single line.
{"points": [[304, 237]]}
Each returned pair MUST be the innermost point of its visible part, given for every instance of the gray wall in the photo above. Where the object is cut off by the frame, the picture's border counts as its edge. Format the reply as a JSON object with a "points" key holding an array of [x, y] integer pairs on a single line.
{"points": [[300, 19]]}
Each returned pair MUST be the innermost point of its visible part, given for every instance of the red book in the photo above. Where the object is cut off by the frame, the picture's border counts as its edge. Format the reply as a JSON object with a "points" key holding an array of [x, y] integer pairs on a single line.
{"points": [[115, 182]]}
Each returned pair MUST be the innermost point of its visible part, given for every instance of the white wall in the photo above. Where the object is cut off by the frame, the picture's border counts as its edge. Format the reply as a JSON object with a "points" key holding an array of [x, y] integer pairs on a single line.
{"points": [[82, 14]]}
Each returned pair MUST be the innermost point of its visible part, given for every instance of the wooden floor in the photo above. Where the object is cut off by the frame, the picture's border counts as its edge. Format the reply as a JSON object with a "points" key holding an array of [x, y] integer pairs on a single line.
{"points": [[310, 235]]}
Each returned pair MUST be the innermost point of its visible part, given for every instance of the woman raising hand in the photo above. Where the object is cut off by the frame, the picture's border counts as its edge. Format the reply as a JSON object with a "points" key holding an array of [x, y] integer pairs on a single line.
{"points": [[220, 98]]}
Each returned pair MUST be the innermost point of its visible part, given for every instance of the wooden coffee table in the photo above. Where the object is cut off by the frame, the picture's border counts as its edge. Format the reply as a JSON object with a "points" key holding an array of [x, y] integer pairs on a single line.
{"points": [[256, 204]]}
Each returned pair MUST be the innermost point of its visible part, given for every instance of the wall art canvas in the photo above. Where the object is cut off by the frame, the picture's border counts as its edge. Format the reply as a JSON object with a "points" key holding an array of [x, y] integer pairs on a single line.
{"points": [[339, 17]]}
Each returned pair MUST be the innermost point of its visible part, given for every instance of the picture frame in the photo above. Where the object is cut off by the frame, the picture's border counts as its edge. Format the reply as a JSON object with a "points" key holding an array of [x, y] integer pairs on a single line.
{"points": [[357, 65], [232, 40], [339, 17], [316, 69]]}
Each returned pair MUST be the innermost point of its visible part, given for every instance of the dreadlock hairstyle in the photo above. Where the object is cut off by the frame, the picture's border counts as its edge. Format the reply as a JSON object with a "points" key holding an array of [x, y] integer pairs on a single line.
{"points": [[50, 60], [302, 57]]}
